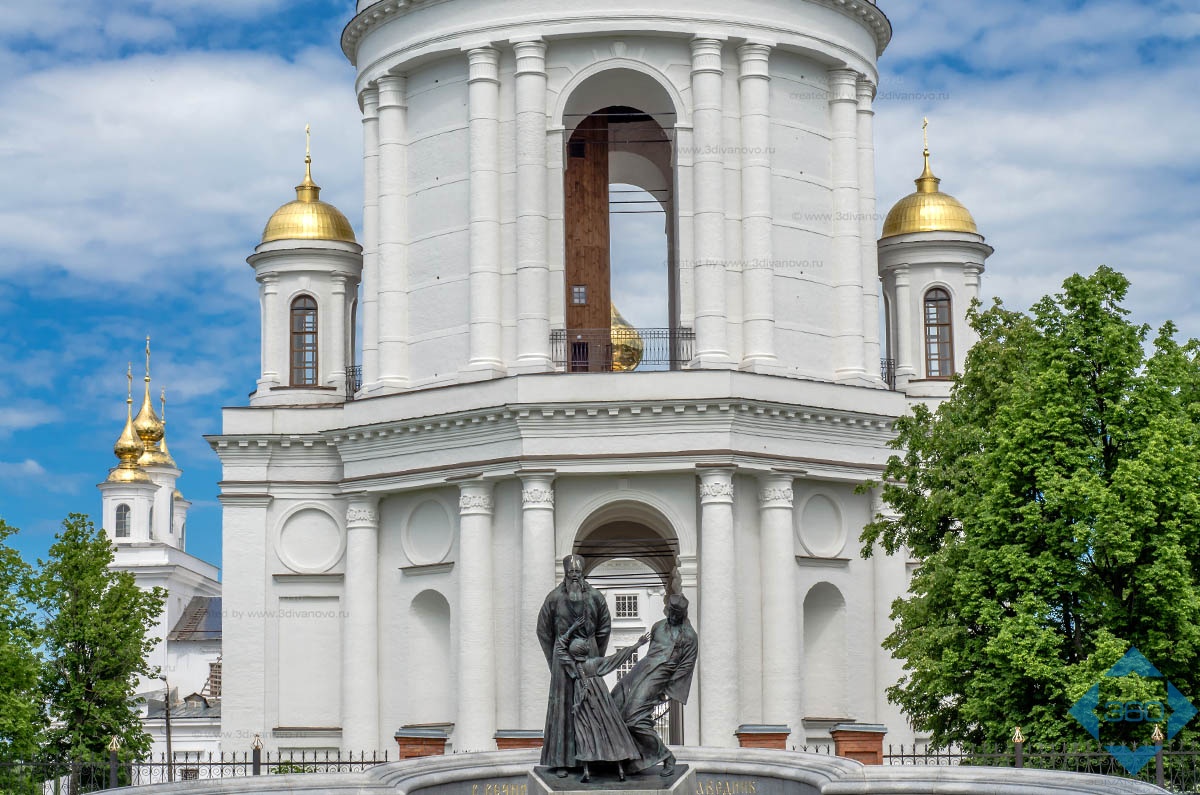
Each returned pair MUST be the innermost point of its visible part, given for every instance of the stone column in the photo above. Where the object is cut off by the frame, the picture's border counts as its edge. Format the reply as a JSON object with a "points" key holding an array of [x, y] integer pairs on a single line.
{"points": [[780, 629], [274, 333], [906, 333], [866, 226], [845, 246], [475, 720], [533, 272], [338, 336], [537, 580], [758, 272], [718, 609], [483, 100], [393, 232], [708, 186], [360, 647], [370, 241]]}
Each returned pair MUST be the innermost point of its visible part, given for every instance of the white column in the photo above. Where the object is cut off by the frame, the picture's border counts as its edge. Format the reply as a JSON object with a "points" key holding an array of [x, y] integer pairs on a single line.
{"points": [[336, 336], [483, 126], [533, 273], [758, 273], [845, 247], [475, 720], [708, 186], [537, 580], [274, 332], [393, 232], [780, 629], [907, 336], [866, 226], [719, 708], [360, 646], [370, 228]]}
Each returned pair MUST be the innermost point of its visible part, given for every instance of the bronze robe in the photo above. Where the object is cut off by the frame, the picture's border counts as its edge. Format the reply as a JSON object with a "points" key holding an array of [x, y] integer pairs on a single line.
{"points": [[557, 615]]}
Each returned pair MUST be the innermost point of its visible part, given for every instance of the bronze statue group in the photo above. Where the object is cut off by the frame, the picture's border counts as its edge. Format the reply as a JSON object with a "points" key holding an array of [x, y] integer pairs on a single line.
{"points": [[585, 723]]}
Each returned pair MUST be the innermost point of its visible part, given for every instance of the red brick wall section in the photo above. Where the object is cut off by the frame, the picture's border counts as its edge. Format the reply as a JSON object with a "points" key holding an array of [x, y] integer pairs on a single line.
{"points": [[515, 743], [775, 740], [413, 747], [865, 747]]}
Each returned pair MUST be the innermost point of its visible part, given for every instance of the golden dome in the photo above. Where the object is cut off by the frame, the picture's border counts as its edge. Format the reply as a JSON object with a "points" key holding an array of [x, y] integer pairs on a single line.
{"points": [[149, 428], [308, 218], [177, 495], [627, 344], [928, 210], [129, 448]]}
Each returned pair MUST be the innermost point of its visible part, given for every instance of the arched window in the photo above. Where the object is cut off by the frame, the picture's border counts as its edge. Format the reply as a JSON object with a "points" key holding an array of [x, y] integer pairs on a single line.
{"points": [[122, 521], [939, 335], [304, 341]]}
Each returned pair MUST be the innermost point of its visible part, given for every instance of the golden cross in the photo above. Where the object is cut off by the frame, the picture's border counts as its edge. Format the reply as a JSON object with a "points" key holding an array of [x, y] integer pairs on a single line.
{"points": [[307, 141], [147, 358], [129, 377], [162, 405], [925, 132]]}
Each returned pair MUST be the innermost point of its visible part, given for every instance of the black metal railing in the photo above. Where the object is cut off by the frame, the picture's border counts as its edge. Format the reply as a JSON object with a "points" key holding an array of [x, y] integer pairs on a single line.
{"points": [[353, 380], [89, 774], [605, 350], [1176, 767], [887, 369]]}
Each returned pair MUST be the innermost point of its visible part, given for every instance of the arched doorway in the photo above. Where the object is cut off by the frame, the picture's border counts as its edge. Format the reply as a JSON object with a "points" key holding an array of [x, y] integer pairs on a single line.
{"points": [[631, 554], [618, 162]]}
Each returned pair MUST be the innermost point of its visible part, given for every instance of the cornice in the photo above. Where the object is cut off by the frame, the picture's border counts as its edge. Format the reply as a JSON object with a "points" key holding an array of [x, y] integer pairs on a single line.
{"points": [[866, 12]]}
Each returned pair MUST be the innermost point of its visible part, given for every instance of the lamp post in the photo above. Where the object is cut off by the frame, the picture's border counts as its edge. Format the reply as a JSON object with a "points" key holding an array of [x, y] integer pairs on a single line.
{"points": [[167, 718]]}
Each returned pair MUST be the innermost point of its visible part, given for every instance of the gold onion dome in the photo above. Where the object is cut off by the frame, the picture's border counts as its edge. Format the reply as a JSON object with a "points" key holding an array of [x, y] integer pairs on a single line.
{"points": [[627, 344], [128, 449], [149, 427], [308, 218], [928, 210]]}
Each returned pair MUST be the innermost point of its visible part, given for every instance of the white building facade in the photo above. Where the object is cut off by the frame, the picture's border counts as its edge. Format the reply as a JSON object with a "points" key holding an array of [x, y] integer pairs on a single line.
{"points": [[389, 534]]}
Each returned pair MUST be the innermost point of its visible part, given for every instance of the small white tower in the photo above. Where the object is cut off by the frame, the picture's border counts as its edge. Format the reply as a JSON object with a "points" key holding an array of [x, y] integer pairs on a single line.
{"points": [[308, 268], [127, 495], [931, 256]]}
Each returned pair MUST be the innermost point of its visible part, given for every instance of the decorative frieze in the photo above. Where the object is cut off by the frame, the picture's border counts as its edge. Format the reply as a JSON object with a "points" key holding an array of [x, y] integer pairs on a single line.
{"points": [[775, 497], [537, 498], [362, 516], [475, 502]]}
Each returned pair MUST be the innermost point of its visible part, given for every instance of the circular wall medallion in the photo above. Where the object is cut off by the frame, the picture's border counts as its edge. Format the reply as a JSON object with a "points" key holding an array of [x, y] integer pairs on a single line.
{"points": [[428, 535], [821, 530], [310, 541]]}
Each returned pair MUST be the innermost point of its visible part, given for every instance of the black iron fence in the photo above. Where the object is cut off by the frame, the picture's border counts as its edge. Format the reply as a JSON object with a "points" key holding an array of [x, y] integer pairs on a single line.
{"points": [[621, 350], [887, 369], [353, 380], [1175, 767], [80, 775]]}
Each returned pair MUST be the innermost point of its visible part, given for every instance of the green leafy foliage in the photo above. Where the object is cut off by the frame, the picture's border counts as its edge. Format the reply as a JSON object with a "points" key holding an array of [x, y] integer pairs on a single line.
{"points": [[96, 642], [1054, 502], [20, 707]]}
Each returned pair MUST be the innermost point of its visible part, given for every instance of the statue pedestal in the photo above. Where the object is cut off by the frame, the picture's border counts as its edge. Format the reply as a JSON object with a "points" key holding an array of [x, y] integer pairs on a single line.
{"points": [[542, 781]]}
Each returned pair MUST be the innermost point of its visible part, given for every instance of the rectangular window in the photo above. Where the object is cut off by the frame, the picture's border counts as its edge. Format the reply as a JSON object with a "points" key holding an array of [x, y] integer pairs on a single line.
{"points": [[579, 294], [627, 666], [627, 606]]}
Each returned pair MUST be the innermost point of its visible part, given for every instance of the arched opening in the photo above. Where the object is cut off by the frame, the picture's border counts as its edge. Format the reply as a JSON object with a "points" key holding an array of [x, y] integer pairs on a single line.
{"points": [[825, 652], [122, 529], [429, 660], [304, 341], [620, 219], [939, 334], [631, 555]]}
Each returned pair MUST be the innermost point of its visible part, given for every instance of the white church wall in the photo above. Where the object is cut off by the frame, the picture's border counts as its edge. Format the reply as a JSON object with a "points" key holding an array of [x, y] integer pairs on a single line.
{"points": [[512, 629], [748, 571], [309, 640]]}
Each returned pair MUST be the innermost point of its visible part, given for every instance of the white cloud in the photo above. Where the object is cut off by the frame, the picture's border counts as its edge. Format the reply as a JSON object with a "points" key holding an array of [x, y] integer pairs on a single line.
{"points": [[27, 468], [20, 418]]}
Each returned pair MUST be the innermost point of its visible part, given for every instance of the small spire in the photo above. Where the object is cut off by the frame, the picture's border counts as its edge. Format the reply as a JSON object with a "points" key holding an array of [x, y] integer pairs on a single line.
{"points": [[146, 424], [927, 182], [129, 447], [164, 453], [308, 191]]}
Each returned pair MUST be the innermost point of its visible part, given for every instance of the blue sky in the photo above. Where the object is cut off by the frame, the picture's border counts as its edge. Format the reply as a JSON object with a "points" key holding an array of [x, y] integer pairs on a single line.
{"points": [[144, 143]]}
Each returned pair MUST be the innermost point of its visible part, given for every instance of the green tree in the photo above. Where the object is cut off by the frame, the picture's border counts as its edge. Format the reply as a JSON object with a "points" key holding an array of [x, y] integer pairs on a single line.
{"points": [[1054, 502], [96, 643], [21, 714]]}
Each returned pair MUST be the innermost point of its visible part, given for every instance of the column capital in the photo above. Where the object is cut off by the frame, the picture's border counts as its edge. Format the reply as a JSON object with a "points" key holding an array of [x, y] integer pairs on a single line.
{"points": [[483, 63], [537, 490], [530, 55], [843, 85], [716, 484], [775, 490], [755, 60], [865, 90], [475, 498], [392, 91], [370, 103], [706, 55]]}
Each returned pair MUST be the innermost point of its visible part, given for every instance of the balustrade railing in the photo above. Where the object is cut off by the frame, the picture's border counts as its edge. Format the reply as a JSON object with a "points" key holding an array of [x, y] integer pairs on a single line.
{"points": [[621, 350]]}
